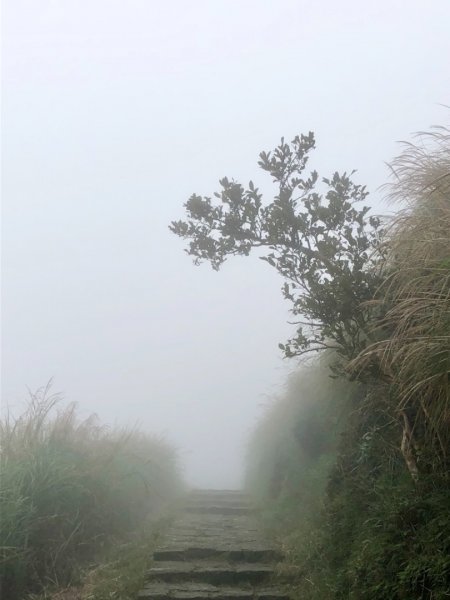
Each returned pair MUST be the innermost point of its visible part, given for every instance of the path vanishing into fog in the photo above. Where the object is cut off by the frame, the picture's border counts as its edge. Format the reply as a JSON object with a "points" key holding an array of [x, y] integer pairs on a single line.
{"points": [[214, 551]]}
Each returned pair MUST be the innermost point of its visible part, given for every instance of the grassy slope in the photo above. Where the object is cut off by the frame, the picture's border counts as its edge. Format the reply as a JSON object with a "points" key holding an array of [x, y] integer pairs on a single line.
{"points": [[69, 489]]}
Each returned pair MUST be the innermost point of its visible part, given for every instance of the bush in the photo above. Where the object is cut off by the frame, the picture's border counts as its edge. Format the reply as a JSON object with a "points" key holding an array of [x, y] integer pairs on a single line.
{"points": [[326, 468], [70, 487], [294, 446]]}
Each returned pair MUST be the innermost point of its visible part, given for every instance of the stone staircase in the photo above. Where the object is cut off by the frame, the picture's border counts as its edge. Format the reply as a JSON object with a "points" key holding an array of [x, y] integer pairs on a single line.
{"points": [[214, 552]]}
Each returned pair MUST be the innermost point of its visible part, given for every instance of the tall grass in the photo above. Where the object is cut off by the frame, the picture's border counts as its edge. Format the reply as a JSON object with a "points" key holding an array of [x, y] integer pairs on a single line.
{"points": [[68, 487], [414, 352]]}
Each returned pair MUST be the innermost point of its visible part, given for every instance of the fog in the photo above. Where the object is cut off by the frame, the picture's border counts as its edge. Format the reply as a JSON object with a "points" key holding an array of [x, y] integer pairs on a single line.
{"points": [[114, 112]]}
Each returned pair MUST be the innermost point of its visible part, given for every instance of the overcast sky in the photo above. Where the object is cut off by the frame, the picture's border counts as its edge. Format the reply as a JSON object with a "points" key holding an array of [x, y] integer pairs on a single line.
{"points": [[114, 112]]}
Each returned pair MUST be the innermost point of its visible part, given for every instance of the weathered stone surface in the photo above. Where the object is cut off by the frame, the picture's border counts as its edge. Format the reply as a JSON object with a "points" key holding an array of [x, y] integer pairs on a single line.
{"points": [[230, 553], [214, 551], [214, 572], [202, 591], [221, 509]]}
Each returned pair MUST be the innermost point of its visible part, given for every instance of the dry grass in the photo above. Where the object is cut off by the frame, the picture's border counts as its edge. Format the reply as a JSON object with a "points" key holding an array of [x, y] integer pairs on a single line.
{"points": [[414, 350]]}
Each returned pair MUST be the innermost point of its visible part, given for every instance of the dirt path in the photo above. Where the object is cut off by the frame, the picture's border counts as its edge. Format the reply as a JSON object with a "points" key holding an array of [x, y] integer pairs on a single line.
{"points": [[214, 551]]}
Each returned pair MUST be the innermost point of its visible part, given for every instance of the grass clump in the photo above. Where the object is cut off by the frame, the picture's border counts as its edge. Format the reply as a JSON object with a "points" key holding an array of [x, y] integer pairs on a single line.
{"points": [[69, 488], [121, 574], [413, 352]]}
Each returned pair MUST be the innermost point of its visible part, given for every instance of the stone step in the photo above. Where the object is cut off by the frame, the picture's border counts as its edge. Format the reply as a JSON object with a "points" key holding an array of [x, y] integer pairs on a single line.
{"points": [[204, 591], [207, 531], [211, 523], [214, 551], [224, 503], [212, 572], [219, 509], [218, 497], [232, 554], [219, 493]]}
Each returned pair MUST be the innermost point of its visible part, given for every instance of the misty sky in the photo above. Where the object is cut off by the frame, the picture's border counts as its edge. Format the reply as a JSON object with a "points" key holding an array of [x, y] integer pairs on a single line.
{"points": [[114, 112]]}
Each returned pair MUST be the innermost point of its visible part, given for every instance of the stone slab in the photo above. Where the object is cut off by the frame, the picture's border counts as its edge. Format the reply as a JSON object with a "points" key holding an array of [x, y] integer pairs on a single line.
{"points": [[213, 572], [196, 591]]}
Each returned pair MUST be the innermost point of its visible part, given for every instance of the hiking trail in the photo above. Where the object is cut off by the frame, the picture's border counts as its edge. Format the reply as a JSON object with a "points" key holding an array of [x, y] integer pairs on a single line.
{"points": [[214, 551]]}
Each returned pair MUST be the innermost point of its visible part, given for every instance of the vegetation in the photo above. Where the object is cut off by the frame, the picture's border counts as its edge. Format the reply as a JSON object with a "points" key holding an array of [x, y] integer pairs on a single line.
{"points": [[72, 489], [354, 471], [413, 348], [322, 244], [295, 443], [121, 573], [336, 492]]}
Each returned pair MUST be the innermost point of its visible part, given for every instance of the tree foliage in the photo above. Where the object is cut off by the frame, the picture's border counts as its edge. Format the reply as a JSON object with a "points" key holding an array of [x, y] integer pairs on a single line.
{"points": [[314, 232]]}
